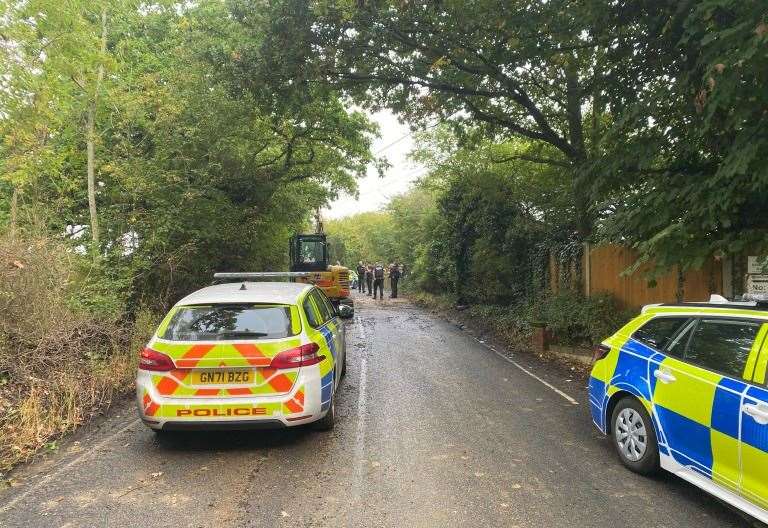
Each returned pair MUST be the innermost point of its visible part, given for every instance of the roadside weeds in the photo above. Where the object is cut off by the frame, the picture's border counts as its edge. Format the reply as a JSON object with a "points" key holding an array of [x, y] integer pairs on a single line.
{"points": [[509, 340], [60, 364]]}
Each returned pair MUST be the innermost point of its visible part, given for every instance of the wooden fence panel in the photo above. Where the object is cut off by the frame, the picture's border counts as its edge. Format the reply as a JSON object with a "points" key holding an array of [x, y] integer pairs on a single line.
{"points": [[607, 262]]}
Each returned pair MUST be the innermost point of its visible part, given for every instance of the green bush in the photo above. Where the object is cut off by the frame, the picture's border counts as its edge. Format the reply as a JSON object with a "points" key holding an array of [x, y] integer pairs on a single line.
{"points": [[577, 320], [571, 318]]}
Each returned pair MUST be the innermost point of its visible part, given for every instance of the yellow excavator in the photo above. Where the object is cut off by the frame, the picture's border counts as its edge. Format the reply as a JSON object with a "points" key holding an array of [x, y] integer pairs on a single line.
{"points": [[309, 264]]}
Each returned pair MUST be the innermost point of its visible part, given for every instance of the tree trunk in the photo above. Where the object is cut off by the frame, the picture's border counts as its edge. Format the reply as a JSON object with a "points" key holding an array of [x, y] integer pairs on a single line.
{"points": [[680, 293], [14, 212], [90, 146], [576, 139], [91, 138]]}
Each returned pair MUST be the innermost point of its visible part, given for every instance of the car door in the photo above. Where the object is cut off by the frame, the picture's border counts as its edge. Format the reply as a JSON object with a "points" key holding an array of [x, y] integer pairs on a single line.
{"points": [[698, 388], [333, 328], [754, 432]]}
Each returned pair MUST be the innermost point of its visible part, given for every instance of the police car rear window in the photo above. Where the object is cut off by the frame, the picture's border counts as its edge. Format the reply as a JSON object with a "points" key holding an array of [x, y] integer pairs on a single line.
{"points": [[223, 322], [657, 332], [722, 345]]}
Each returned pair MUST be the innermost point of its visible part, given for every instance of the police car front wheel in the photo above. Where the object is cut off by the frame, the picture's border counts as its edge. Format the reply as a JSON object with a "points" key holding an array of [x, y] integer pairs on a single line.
{"points": [[634, 437]]}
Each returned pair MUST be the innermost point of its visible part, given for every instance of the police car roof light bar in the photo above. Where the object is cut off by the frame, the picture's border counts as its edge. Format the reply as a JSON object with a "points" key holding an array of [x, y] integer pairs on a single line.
{"points": [[752, 301], [250, 276], [239, 276]]}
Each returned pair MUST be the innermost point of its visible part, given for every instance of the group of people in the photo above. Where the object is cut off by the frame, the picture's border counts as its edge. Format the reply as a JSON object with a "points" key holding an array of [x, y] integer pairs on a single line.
{"points": [[372, 276]]}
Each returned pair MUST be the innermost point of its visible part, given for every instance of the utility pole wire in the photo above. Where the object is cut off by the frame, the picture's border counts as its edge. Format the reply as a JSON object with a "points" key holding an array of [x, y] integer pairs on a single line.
{"points": [[412, 132]]}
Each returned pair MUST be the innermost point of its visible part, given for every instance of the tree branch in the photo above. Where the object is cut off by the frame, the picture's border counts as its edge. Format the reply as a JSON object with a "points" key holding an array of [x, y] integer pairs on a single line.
{"points": [[532, 159]]}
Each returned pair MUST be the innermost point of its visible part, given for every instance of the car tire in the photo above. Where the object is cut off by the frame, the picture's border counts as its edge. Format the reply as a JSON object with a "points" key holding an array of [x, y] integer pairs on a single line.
{"points": [[326, 423], [343, 366], [634, 437]]}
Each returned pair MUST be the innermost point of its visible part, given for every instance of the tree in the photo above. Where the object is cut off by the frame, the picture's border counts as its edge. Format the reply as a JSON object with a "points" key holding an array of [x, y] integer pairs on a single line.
{"points": [[90, 133], [365, 236], [58, 54], [514, 69], [650, 108], [682, 175], [192, 173]]}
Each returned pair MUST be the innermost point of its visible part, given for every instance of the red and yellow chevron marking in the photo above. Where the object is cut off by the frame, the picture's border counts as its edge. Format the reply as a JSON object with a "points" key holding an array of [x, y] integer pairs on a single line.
{"points": [[237, 355], [295, 404], [213, 355], [169, 383], [253, 355], [192, 357], [207, 392], [177, 383], [280, 382], [150, 407], [239, 391]]}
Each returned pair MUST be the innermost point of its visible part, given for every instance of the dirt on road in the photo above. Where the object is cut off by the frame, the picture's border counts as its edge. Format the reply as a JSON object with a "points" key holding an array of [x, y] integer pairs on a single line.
{"points": [[434, 429]]}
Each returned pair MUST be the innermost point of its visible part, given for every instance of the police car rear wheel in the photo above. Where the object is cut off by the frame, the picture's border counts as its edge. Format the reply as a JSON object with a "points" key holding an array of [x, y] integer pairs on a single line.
{"points": [[634, 437]]}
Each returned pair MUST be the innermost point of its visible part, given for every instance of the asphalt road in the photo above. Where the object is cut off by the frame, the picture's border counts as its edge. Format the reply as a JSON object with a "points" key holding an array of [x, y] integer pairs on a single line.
{"points": [[434, 430]]}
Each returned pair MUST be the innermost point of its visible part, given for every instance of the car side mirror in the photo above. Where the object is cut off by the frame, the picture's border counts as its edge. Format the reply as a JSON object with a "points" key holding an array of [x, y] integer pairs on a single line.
{"points": [[346, 311]]}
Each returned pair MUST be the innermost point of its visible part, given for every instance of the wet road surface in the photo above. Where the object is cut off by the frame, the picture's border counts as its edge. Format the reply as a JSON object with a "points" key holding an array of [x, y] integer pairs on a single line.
{"points": [[433, 429]]}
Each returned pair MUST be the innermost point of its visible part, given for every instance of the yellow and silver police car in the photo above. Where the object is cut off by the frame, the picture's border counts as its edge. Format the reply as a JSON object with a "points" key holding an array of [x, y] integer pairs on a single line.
{"points": [[683, 388], [244, 355]]}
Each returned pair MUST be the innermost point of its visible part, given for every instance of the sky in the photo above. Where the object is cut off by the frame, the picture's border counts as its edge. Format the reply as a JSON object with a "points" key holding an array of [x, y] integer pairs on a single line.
{"points": [[394, 144]]}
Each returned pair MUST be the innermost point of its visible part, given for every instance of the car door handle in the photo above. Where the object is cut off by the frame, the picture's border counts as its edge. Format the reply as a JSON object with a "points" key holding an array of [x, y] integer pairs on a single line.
{"points": [[664, 376], [758, 412]]}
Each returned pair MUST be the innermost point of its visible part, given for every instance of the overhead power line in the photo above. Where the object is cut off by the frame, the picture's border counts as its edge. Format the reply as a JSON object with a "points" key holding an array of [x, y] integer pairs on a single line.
{"points": [[412, 132]]}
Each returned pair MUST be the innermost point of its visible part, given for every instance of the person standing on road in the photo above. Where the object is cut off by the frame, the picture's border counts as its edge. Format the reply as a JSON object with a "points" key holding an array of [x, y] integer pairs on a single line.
{"points": [[369, 278], [378, 280], [394, 277], [360, 277]]}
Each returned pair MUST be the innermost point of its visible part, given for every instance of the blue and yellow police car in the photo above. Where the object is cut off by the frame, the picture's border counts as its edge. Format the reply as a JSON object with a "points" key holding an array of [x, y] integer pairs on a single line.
{"points": [[683, 388]]}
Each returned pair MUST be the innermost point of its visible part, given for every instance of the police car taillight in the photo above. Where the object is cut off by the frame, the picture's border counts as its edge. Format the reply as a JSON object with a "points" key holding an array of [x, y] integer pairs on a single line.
{"points": [[302, 356], [153, 360]]}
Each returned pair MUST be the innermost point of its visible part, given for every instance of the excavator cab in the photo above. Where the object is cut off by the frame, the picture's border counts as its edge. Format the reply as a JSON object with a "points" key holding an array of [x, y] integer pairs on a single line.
{"points": [[309, 252]]}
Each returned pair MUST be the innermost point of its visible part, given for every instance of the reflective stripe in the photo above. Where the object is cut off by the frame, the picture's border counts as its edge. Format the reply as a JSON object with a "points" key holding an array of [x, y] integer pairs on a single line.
{"points": [[762, 362], [295, 320], [694, 311], [177, 383], [749, 370], [164, 324]]}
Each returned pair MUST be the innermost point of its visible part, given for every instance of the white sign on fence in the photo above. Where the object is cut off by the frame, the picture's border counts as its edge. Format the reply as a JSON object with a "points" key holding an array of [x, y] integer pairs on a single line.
{"points": [[757, 284], [757, 265]]}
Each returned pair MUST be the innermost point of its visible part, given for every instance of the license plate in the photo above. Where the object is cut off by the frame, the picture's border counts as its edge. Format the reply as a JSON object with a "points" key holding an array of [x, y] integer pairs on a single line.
{"points": [[222, 377]]}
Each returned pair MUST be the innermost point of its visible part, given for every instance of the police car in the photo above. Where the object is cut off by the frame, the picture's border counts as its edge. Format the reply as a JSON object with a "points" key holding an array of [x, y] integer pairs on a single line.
{"points": [[243, 355], [683, 388]]}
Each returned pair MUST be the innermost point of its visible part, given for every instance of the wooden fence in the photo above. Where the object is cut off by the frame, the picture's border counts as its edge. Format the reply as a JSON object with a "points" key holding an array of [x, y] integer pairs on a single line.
{"points": [[602, 272]]}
